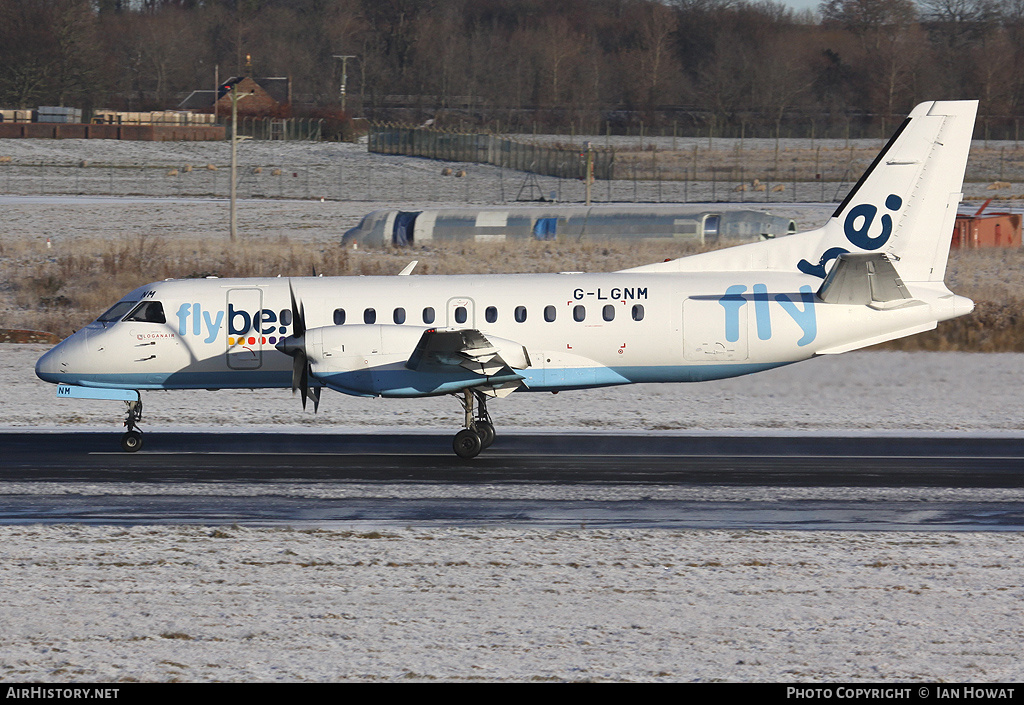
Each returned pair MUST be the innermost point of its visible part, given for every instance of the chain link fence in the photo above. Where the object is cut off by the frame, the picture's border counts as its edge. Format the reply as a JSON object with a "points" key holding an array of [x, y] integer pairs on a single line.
{"points": [[565, 162], [310, 129], [393, 182], [694, 173]]}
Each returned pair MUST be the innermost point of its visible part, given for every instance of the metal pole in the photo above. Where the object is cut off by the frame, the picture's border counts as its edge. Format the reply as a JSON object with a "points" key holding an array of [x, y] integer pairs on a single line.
{"points": [[235, 97], [234, 162], [216, 91], [590, 169], [344, 75]]}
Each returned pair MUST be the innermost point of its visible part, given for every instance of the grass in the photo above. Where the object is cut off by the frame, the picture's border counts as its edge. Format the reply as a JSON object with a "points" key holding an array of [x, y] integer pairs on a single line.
{"points": [[61, 289]]}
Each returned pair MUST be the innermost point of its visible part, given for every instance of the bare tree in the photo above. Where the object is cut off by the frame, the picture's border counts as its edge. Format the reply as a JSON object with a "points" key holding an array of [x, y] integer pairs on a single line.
{"points": [[954, 27], [889, 46]]}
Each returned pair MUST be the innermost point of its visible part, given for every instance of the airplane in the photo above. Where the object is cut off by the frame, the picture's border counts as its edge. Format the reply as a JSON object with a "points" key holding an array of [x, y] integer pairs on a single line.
{"points": [[561, 222], [873, 272]]}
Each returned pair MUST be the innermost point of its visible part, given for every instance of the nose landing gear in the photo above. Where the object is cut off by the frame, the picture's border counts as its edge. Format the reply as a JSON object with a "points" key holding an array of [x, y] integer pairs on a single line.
{"points": [[479, 431], [131, 441]]}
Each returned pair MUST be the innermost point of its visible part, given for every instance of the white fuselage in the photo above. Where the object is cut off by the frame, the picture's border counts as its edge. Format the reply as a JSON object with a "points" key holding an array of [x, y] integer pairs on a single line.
{"points": [[605, 329]]}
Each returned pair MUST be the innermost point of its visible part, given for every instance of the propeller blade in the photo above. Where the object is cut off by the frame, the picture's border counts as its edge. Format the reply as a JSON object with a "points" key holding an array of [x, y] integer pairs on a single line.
{"points": [[299, 364], [304, 388], [295, 345], [298, 314]]}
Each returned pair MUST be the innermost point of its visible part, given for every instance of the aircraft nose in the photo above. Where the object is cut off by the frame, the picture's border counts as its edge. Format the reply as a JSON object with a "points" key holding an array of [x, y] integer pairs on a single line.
{"points": [[48, 367], [55, 364]]}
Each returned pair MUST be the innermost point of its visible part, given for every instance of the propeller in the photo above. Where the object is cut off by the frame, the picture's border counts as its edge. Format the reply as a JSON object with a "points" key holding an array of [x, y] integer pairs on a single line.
{"points": [[295, 346]]}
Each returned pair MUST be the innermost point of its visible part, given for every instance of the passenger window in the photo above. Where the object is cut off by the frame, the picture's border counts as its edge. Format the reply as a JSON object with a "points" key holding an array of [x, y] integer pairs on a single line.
{"points": [[460, 314], [549, 314], [638, 312], [339, 317], [608, 312], [520, 314], [285, 317], [399, 317], [579, 313], [491, 314], [117, 311], [148, 312], [428, 315], [369, 316]]}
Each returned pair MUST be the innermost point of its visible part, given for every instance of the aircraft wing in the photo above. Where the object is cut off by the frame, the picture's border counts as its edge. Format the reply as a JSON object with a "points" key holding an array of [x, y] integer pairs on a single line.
{"points": [[469, 349]]}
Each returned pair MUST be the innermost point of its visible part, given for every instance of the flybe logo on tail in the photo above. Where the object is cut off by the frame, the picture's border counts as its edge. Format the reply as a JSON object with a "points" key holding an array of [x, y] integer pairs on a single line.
{"points": [[860, 232], [194, 320]]}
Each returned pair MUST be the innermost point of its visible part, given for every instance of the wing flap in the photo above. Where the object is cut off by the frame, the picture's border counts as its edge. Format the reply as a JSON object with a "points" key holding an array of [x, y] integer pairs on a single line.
{"points": [[443, 350]]}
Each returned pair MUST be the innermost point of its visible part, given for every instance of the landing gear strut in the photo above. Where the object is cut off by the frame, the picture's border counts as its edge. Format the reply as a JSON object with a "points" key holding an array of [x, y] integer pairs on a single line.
{"points": [[131, 441], [479, 431]]}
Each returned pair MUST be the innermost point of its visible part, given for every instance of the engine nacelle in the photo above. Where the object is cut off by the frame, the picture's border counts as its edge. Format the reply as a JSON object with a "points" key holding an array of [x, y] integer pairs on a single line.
{"points": [[348, 348], [371, 360], [350, 358]]}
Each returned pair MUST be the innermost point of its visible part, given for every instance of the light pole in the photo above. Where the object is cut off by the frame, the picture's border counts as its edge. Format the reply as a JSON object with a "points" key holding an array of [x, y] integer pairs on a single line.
{"points": [[589, 168], [235, 139], [344, 74]]}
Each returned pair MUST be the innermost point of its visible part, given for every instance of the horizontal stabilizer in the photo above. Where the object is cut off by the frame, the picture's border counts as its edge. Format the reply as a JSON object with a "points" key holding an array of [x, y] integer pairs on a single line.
{"points": [[875, 340], [863, 280]]}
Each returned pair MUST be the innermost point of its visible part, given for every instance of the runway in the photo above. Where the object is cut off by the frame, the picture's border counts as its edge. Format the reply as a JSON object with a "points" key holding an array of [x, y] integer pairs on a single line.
{"points": [[612, 480], [796, 460]]}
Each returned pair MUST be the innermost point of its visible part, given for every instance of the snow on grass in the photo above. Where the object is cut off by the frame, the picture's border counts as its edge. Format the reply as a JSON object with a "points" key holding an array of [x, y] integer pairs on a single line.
{"points": [[243, 604]]}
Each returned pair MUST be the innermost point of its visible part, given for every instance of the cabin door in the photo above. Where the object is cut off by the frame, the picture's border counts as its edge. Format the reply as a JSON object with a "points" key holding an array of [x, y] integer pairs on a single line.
{"points": [[245, 342], [461, 312], [715, 329]]}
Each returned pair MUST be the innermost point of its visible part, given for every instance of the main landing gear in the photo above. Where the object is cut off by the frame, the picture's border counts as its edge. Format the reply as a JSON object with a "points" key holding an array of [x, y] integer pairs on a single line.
{"points": [[131, 441], [479, 431]]}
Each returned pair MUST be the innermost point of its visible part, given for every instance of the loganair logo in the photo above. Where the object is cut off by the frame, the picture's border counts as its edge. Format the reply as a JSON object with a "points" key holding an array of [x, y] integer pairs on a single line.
{"points": [[858, 227], [262, 327], [734, 300]]}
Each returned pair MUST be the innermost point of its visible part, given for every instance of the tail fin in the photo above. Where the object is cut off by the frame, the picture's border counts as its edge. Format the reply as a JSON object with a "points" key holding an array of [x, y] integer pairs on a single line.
{"points": [[903, 206]]}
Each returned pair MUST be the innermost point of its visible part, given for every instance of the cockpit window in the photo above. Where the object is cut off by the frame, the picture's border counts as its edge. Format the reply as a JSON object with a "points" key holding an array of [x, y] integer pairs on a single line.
{"points": [[117, 311], [148, 312]]}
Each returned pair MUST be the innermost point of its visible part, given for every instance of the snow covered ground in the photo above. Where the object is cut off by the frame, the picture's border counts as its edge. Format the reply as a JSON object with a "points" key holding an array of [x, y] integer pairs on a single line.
{"points": [[386, 603], [345, 172], [248, 605]]}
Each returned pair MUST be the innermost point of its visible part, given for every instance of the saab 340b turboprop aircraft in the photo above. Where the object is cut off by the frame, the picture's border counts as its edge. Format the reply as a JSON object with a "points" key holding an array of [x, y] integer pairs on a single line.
{"points": [[872, 273]]}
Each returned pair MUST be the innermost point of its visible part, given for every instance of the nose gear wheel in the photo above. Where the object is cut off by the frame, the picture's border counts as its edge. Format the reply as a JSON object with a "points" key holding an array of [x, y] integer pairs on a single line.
{"points": [[131, 441]]}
